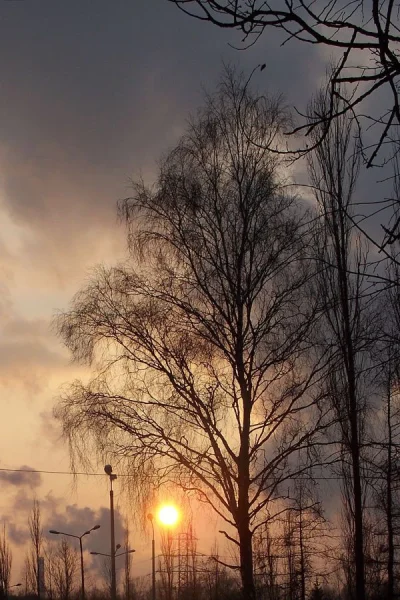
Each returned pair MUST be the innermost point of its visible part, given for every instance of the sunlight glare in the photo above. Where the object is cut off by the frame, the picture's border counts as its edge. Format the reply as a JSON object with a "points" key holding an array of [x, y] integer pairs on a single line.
{"points": [[168, 515]]}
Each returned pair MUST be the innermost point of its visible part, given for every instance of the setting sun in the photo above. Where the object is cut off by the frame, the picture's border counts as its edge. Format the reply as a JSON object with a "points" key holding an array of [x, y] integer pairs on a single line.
{"points": [[168, 515]]}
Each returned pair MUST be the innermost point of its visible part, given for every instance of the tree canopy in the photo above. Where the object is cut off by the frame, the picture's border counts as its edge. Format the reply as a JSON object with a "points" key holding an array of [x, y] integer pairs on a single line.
{"points": [[364, 39], [204, 372]]}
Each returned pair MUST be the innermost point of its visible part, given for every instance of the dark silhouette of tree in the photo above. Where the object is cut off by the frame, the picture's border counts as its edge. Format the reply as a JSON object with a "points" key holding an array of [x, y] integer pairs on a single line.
{"points": [[33, 559], [5, 564], [364, 39], [267, 555], [203, 369], [128, 584], [384, 456], [65, 569], [347, 317], [317, 592]]}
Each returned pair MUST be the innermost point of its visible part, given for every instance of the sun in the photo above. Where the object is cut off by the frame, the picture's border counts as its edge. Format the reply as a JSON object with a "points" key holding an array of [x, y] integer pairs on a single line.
{"points": [[168, 515]]}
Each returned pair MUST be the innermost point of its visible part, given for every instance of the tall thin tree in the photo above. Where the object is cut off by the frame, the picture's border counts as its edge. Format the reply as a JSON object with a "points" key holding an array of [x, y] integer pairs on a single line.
{"points": [[333, 170]]}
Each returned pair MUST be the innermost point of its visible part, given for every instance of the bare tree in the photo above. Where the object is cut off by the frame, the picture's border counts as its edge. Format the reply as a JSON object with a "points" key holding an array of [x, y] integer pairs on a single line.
{"points": [[204, 370], [128, 584], [106, 571], [364, 37], [5, 564], [49, 553], [167, 565], [267, 558], [36, 535], [347, 328], [65, 568]]}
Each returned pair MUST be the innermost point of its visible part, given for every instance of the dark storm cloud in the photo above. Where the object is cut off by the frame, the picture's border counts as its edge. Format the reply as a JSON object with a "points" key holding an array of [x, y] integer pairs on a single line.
{"points": [[76, 520], [21, 478], [92, 93], [60, 517]]}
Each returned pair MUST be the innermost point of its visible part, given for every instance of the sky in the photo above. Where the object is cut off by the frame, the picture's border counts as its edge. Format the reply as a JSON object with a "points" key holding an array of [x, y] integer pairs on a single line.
{"points": [[92, 94]]}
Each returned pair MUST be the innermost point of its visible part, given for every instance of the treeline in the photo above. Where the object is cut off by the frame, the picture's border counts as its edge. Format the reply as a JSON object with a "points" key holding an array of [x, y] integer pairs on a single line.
{"points": [[247, 352]]}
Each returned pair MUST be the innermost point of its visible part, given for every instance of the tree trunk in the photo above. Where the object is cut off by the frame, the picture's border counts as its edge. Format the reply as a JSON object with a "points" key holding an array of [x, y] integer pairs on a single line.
{"points": [[246, 561], [349, 361], [389, 498], [245, 535]]}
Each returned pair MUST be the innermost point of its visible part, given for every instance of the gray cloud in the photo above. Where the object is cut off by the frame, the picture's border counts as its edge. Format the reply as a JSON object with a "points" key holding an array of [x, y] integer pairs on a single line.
{"points": [[76, 520], [23, 328], [20, 478], [17, 535], [24, 353], [87, 112]]}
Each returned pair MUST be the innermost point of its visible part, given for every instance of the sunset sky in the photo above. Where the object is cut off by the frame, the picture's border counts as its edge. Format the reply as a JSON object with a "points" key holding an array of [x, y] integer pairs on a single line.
{"points": [[92, 94]]}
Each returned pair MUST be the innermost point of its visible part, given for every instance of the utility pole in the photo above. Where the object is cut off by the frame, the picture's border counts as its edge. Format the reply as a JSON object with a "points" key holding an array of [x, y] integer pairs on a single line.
{"points": [[108, 471]]}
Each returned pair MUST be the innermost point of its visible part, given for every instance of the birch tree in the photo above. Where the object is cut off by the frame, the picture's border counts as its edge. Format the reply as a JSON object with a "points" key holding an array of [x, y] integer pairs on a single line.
{"points": [[203, 370]]}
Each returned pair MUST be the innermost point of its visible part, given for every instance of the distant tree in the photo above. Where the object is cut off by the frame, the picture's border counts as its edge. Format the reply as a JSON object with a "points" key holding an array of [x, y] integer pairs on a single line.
{"points": [[167, 566], [200, 347], [36, 539], [128, 584], [317, 593], [364, 38], [66, 563], [49, 558], [5, 564], [218, 582], [306, 530], [267, 555], [105, 569]]}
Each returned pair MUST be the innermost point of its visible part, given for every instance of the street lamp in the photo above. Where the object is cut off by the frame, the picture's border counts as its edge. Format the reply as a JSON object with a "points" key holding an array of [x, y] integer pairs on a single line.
{"points": [[117, 547], [108, 471], [78, 537]]}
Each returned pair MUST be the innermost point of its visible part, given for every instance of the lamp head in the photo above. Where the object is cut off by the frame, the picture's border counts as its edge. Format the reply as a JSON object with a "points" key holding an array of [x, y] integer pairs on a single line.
{"points": [[95, 527], [108, 470], [54, 531], [117, 547]]}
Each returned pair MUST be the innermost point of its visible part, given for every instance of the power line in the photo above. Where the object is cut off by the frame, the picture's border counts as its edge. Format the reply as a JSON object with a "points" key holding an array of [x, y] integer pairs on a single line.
{"points": [[147, 476]]}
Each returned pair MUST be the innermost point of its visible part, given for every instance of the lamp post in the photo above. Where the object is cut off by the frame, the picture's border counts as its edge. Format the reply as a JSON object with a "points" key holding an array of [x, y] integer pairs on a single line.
{"points": [[150, 516], [78, 537], [108, 471]]}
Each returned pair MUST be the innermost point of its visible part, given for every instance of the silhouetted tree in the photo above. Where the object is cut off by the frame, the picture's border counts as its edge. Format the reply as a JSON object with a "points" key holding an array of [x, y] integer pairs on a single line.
{"points": [[364, 38], [36, 539], [5, 564], [201, 346], [65, 568], [347, 321]]}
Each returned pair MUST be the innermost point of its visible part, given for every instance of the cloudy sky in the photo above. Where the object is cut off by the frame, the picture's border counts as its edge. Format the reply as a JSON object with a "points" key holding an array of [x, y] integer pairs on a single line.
{"points": [[92, 93]]}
